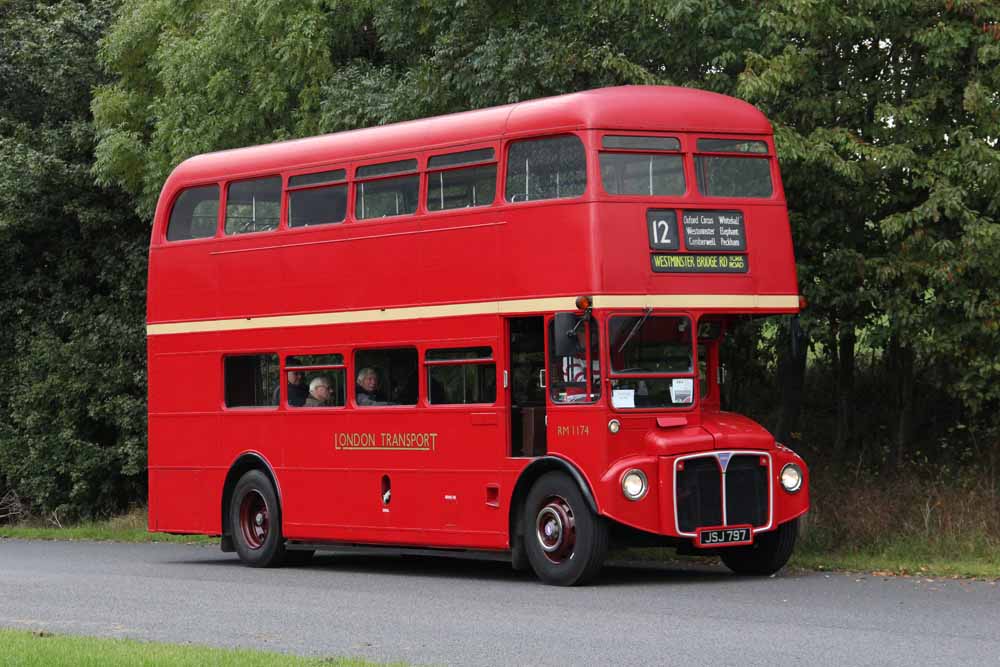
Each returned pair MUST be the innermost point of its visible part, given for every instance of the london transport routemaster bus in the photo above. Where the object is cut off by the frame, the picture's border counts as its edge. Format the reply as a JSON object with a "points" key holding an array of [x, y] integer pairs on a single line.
{"points": [[492, 331]]}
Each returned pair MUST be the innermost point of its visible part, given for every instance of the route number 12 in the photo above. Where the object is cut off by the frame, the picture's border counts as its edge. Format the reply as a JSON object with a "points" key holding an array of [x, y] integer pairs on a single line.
{"points": [[662, 227]]}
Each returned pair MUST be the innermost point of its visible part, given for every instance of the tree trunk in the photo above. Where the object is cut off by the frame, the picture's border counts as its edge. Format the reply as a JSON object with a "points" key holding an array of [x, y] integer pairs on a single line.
{"points": [[791, 379], [846, 347], [901, 360]]}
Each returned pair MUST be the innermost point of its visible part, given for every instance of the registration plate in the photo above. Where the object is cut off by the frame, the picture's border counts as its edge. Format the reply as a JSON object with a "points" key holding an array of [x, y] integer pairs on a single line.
{"points": [[730, 536]]}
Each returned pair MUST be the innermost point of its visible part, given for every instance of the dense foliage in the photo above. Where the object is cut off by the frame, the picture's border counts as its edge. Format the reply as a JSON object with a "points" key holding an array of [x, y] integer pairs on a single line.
{"points": [[887, 115]]}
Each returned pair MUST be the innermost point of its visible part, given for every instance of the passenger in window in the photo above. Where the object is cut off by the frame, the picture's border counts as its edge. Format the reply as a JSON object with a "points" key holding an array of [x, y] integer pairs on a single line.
{"points": [[320, 395], [367, 390], [296, 389]]}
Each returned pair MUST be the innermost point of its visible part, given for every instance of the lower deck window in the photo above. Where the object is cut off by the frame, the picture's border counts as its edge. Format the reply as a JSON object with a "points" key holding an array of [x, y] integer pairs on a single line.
{"points": [[250, 381], [386, 377], [316, 381], [459, 376]]}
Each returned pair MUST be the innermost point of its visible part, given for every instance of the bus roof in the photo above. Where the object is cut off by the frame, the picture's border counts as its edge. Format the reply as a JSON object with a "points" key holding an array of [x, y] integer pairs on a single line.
{"points": [[619, 108]]}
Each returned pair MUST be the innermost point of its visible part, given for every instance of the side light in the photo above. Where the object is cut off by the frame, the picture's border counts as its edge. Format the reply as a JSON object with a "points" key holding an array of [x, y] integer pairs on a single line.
{"points": [[634, 484], [791, 477], [614, 426], [584, 302]]}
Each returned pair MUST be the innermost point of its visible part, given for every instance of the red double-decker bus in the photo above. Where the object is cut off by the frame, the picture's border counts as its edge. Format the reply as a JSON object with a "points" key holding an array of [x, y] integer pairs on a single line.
{"points": [[496, 330]]}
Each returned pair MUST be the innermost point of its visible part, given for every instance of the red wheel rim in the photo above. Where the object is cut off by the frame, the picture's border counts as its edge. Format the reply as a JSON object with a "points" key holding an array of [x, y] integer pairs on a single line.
{"points": [[255, 523], [555, 529]]}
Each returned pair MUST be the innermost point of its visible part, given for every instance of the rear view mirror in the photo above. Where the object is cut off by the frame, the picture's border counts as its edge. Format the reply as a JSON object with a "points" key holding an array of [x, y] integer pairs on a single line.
{"points": [[564, 334]]}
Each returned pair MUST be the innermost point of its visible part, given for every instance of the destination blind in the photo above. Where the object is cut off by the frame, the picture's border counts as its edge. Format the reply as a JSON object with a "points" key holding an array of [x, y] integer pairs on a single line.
{"points": [[714, 230]]}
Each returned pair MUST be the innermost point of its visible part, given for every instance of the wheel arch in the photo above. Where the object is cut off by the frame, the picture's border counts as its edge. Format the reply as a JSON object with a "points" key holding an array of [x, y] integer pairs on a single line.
{"points": [[528, 476], [244, 463]]}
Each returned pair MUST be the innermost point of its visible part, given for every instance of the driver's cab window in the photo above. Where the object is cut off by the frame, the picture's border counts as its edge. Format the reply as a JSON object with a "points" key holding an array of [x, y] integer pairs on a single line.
{"points": [[573, 349], [709, 333]]}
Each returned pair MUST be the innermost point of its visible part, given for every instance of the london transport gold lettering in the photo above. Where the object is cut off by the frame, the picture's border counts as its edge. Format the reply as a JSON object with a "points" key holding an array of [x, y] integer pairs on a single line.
{"points": [[418, 442]]}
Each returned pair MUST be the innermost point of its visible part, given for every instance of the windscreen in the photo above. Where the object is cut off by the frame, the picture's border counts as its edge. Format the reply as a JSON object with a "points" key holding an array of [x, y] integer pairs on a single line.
{"points": [[644, 347]]}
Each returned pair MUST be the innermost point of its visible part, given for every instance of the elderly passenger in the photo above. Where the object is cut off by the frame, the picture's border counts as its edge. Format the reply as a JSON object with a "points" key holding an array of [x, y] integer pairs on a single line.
{"points": [[366, 390], [319, 393]]}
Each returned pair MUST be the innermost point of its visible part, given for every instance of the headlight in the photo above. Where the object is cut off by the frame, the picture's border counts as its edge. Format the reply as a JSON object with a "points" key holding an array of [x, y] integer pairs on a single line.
{"points": [[614, 426], [634, 484], [791, 477]]}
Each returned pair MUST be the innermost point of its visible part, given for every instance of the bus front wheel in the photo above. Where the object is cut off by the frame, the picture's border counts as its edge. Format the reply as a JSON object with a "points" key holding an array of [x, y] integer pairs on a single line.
{"points": [[255, 519], [768, 554], [566, 542]]}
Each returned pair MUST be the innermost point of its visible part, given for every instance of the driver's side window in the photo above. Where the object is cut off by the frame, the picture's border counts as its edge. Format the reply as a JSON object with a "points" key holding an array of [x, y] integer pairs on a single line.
{"points": [[570, 359]]}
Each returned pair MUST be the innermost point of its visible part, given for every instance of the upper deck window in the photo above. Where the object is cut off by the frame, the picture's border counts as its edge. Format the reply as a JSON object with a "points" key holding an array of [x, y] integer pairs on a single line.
{"points": [[645, 173], [732, 146], [725, 176], [464, 187], [550, 168], [253, 206], [637, 143], [386, 196], [334, 176], [195, 214], [317, 199]]}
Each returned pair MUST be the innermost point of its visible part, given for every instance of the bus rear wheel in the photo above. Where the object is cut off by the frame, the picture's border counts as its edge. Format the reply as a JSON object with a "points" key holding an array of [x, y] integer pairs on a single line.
{"points": [[768, 554], [255, 519], [566, 542]]}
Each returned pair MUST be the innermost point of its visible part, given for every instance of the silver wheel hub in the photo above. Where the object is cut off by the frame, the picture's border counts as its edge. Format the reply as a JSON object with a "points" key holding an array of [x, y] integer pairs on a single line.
{"points": [[550, 536]]}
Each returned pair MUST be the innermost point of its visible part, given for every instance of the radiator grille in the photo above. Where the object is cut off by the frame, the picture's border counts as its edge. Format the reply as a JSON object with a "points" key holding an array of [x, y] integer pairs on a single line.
{"points": [[699, 492]]}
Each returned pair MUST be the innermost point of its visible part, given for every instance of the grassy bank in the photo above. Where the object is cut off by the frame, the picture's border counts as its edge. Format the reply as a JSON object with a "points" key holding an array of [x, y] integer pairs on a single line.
{"points": [[129, 527], [919, 524], [27, 649]]}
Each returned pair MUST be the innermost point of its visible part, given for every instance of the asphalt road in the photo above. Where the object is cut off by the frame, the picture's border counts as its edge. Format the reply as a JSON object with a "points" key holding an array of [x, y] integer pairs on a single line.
{"points": [[445, 611]]}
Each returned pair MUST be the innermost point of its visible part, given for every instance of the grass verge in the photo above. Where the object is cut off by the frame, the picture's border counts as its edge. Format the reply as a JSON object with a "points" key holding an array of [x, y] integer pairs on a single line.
{"points": [[129, 527], [903, 555], [26, 649]]}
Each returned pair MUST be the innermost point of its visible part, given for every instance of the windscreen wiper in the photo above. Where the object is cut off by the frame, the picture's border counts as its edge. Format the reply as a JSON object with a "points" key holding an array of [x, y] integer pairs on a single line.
{"points": [[635, 328]]}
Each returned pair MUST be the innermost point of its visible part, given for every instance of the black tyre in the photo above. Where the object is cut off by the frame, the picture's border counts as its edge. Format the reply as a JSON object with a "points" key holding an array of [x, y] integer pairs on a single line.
{"points": [[255, 519], [565, 541], [518, 556], [768, 554]]}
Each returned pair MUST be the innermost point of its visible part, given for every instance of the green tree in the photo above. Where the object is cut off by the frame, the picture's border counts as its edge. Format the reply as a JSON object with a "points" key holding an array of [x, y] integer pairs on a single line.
{"points": [[885, 111], [72, 404], [888, 114]]}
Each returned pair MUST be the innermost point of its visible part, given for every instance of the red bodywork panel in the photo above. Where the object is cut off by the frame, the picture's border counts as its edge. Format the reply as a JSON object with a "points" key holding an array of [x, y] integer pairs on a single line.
{"points": [[442, 279]]}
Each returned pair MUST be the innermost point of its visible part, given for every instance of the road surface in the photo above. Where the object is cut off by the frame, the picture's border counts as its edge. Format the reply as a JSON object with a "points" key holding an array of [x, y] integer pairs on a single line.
{"points": [[446, 611]]}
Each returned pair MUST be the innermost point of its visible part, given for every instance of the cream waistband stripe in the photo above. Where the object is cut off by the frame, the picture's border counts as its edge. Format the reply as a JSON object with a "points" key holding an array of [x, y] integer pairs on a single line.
{"points": [[730, 301]]}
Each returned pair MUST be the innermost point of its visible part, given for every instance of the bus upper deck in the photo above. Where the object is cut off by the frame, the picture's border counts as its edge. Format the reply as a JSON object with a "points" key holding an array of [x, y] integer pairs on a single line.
{"points": [[617, 193]]}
